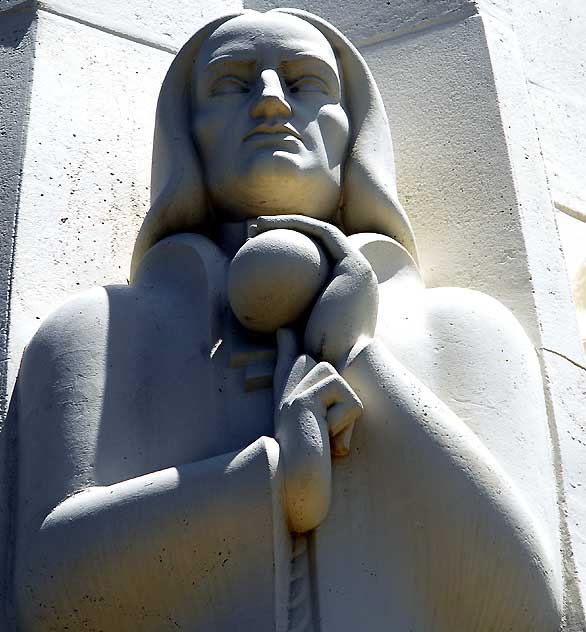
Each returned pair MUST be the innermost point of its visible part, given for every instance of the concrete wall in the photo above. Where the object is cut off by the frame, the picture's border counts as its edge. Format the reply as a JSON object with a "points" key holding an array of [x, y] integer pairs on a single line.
{"points": [[480, 152], [17, 36], [551, 35]]}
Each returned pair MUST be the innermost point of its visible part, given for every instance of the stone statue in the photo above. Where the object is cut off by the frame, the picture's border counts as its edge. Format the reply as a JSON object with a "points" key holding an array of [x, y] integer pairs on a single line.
{"points": [[275, 426]]}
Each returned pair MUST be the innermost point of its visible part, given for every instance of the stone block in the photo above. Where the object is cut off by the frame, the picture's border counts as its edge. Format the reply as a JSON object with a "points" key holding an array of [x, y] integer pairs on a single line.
{"points": [[16, 57], [567, 383], [551, 37], [372, 19], [17, 35], [560, 117], [452, 167], [85, 181], [164, 24]]}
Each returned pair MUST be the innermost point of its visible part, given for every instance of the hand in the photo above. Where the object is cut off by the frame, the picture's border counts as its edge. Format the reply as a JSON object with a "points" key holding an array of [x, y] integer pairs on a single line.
{"points": [[315, 414], [346, 309]]}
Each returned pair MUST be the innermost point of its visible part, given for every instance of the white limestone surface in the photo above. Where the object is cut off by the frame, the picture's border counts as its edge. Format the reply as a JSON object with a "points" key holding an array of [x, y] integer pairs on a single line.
{"points": [[469, 169], [572, 232], [453, 175], [86, 174], [371, 20], [567, 384], [551, 36], [164, 24], [473, 181], [562, 358], [573, 237], [85, 185]]}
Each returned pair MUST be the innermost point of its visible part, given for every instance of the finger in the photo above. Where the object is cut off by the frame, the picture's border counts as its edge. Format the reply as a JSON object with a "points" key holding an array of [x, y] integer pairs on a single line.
{"points": [[318, 373], [340, 444], [301, 367], [332, 238], [335, 394], [341, 419], [286, 354], [334, 389], [343, 410], [342, 415]]}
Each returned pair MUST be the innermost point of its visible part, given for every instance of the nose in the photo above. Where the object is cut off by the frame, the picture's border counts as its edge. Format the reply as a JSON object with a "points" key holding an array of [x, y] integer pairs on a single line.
{"points": [[271, 101]]}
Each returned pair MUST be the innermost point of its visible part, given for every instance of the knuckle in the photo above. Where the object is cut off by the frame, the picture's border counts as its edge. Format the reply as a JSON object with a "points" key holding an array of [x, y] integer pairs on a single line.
{"points": [[326, 368], [302, 400], [351, 398]]}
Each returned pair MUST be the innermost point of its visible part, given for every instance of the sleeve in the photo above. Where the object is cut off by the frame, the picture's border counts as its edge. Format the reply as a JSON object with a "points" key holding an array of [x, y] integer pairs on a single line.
{"points": [[202, 546], [434, 533]]}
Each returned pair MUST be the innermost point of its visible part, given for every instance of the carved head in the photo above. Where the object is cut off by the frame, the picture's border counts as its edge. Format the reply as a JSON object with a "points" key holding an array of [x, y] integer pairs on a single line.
{"points": [[268, 119], [268, 113]]}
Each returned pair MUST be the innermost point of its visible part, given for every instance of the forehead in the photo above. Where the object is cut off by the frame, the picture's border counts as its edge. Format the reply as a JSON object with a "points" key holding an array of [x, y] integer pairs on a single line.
{"points": [[260, 35]]}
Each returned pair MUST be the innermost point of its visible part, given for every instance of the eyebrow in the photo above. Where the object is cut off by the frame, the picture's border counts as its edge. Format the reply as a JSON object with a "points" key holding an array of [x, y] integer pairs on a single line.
{"points": [[229, 60], [311, 57], [246, 58], [319, 61], [243, 60]]}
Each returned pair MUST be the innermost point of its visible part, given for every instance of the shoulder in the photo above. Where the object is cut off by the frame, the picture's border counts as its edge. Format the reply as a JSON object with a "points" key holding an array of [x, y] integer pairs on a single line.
{"points": [[482, 344], [60, 384], [476, 320], [465, 345], [83, 317], [180, 260], [474, 311], [65, 359]]}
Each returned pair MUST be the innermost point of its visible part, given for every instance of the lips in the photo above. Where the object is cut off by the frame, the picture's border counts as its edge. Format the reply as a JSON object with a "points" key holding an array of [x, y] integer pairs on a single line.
{"points": [[278, 132]]}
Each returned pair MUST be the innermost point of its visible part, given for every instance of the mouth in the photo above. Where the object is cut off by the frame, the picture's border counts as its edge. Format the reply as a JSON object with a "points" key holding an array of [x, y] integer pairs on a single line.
{"points": [[273, 132]]}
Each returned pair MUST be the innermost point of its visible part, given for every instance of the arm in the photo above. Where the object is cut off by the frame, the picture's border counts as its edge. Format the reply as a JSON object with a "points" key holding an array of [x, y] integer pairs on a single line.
{"points": [[424, 496], [177, 541], [478, 529], [315, 417], [173, 543]]}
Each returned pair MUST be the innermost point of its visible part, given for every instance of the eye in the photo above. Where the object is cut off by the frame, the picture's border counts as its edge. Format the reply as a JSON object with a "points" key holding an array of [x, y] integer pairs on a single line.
{"points": [[230, 85], [308, 83]]}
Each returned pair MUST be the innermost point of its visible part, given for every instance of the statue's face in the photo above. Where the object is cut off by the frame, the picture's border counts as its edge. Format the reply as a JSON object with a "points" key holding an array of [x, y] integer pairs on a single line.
{"points": [[268, 118]]}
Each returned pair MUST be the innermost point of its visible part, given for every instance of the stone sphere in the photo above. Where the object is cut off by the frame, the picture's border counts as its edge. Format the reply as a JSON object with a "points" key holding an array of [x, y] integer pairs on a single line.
{"points": [[274, 278]]}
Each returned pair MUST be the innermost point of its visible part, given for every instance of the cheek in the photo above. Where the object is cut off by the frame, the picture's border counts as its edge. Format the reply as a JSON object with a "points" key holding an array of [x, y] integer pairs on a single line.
{"points": [[209, 129], [335, 132]]}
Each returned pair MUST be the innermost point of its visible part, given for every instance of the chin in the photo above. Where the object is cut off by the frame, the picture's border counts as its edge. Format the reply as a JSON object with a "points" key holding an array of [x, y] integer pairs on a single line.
{"points": [[277, 182], [275, 167], [286, 184]]}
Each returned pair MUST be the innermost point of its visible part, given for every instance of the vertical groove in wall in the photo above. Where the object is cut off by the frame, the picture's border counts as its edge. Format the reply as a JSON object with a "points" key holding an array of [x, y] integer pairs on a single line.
{"points": [[574, 620], [523, 137], [17, 49], [17, 43]]}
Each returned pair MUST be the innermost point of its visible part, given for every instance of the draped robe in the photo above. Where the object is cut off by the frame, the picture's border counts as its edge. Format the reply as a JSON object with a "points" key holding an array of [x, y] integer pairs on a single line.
{"points": [[150, 487]]}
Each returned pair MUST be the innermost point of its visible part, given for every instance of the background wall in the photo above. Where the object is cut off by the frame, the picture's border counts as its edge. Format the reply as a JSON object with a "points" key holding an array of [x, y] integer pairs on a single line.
{"points": [[487, 107], [86, 175], [551, 35]]}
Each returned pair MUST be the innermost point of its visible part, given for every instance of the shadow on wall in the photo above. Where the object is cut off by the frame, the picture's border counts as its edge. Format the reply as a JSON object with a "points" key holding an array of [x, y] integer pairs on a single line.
{"points": [[8, 495], [17, 20]]}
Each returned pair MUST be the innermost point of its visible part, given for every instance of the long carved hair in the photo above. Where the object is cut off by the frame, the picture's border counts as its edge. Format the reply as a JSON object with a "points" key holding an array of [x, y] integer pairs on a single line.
{"points": [[179, 201]]}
